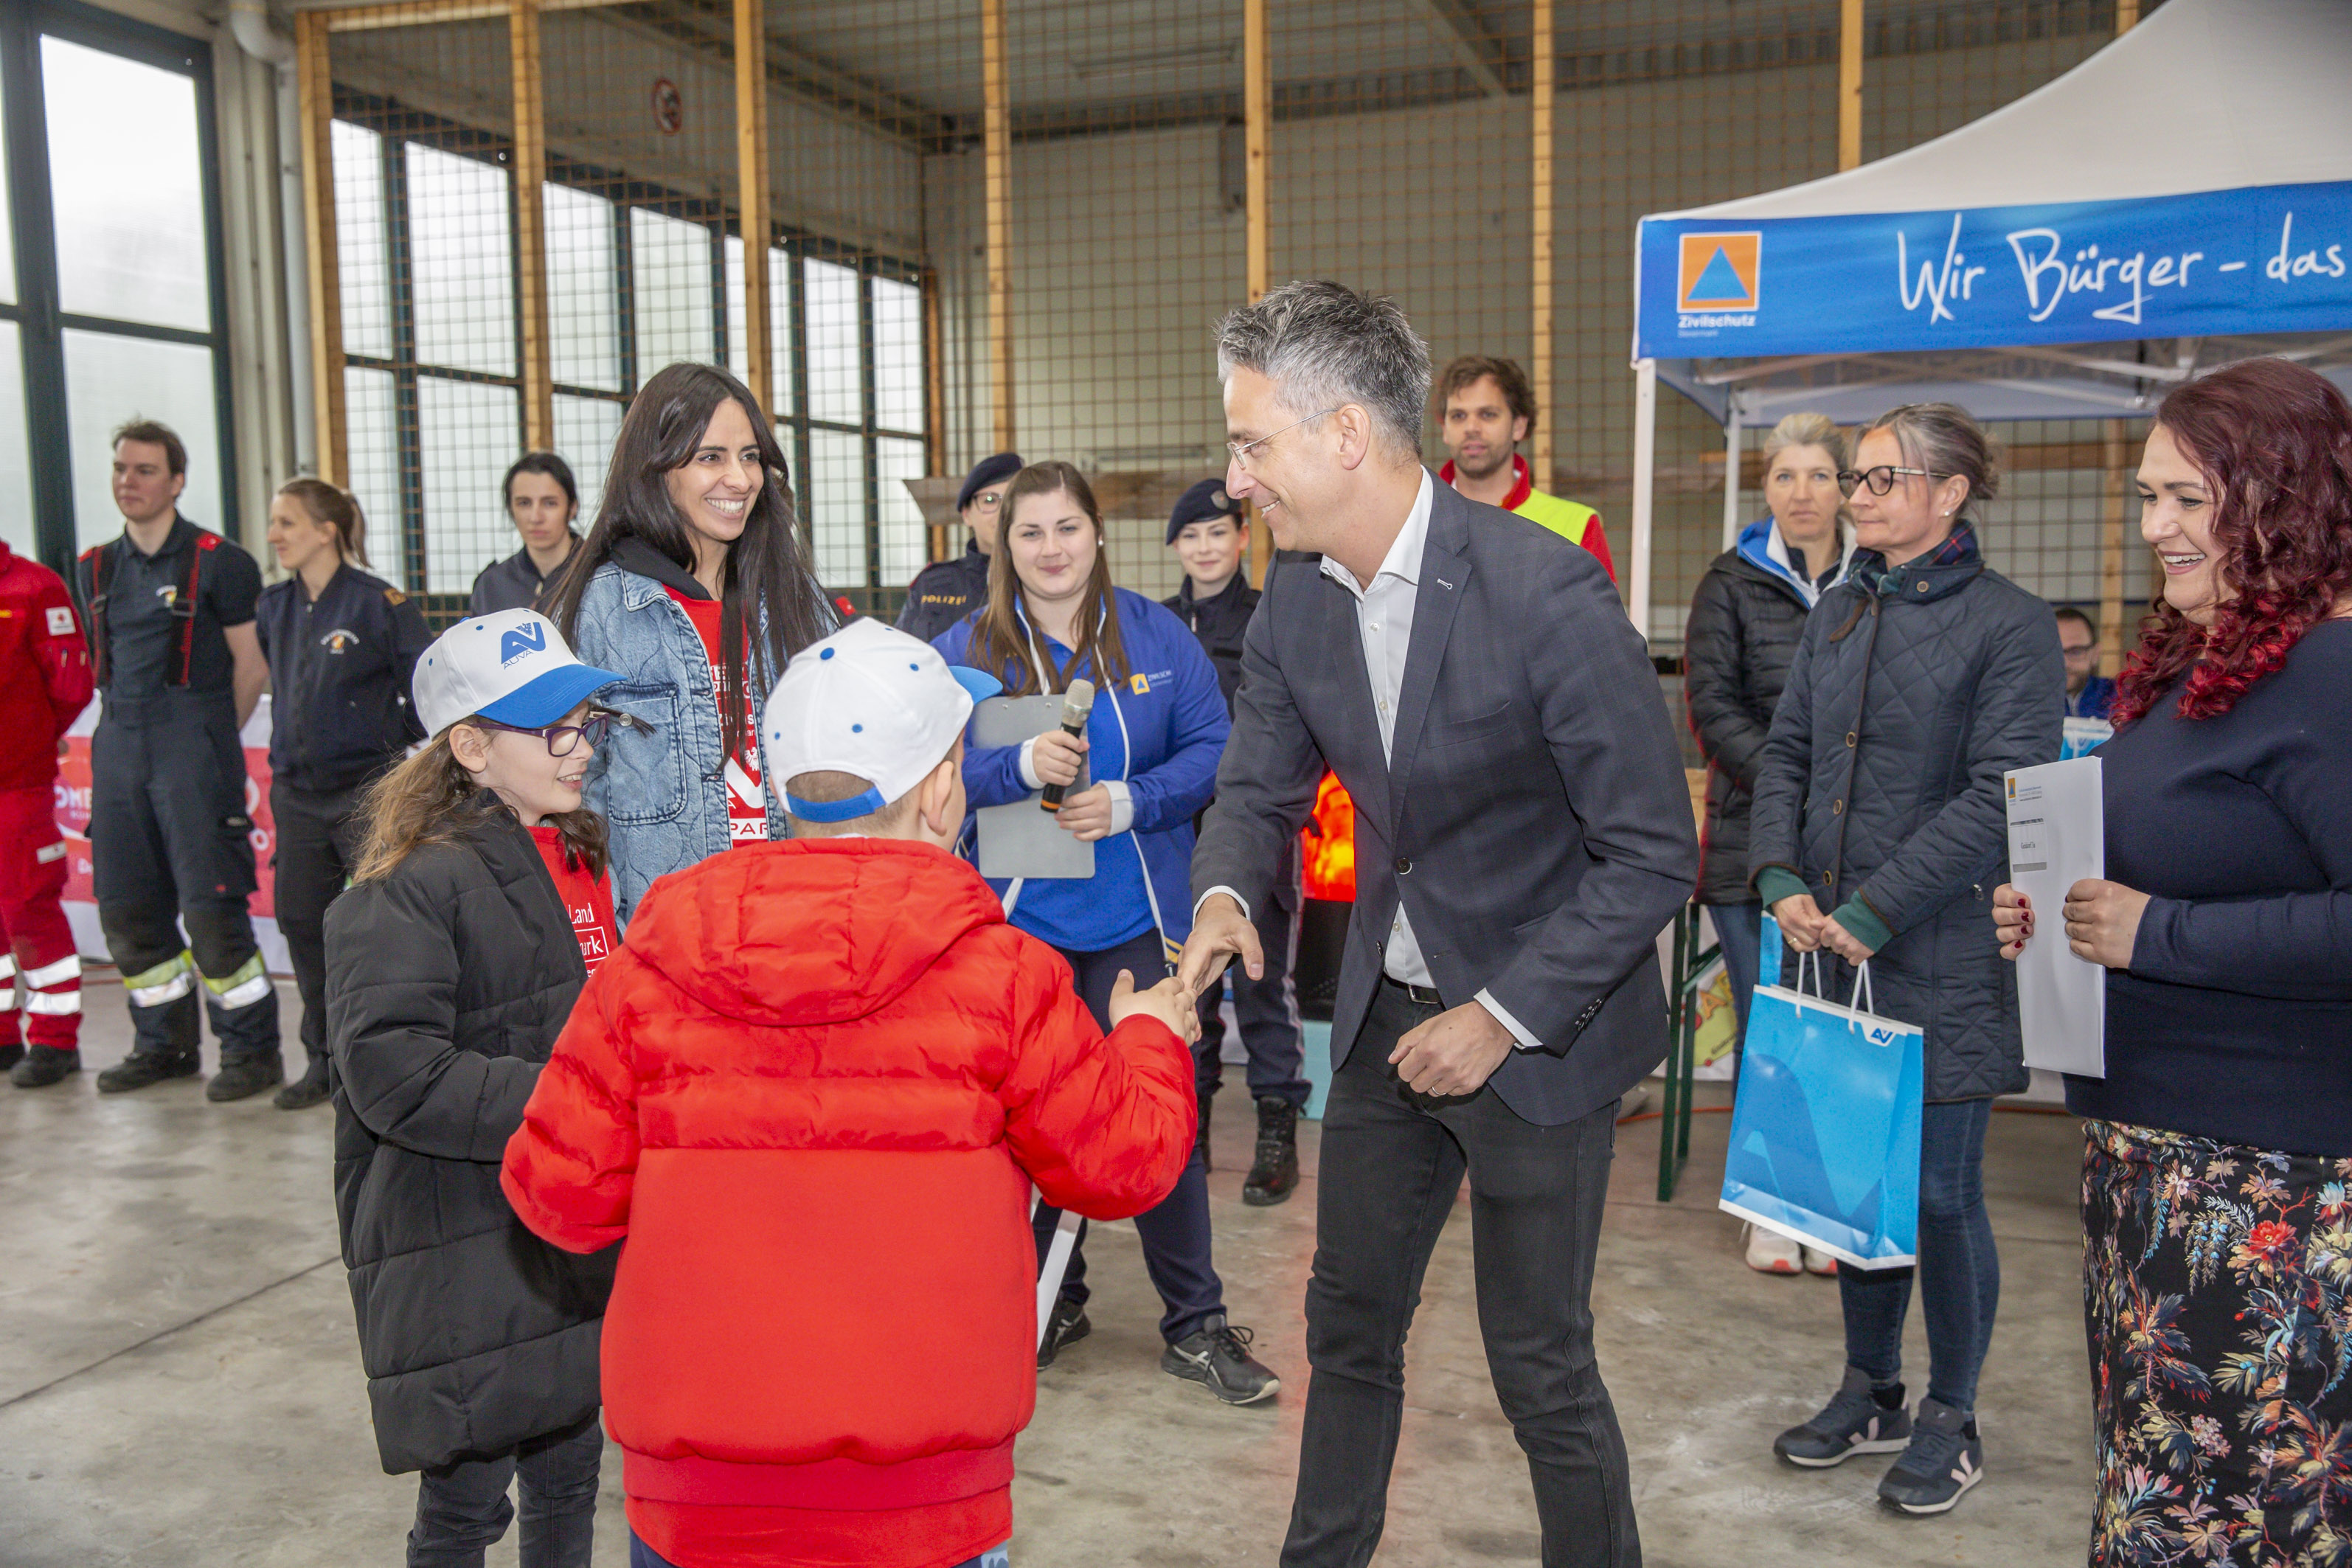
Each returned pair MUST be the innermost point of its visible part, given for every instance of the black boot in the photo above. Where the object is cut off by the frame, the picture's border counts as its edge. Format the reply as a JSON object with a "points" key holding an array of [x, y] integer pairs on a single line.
{"points": [[45, 1066], [1274, 1177], [311, 1089], [1208, 1097], [10, 1055], [141, 1069], [242, 1076]]}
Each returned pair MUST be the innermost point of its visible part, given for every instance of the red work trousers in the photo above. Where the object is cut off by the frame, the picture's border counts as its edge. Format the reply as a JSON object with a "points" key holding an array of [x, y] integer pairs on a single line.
{"points": [[39, 943]]}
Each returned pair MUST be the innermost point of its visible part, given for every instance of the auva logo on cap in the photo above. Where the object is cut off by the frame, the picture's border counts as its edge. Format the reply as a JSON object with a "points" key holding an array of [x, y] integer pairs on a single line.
{"points": [[521, 641]]}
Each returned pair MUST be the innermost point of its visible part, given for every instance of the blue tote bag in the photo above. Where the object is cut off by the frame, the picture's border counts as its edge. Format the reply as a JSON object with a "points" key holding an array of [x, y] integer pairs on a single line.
{"points": [[1825, 1132]]}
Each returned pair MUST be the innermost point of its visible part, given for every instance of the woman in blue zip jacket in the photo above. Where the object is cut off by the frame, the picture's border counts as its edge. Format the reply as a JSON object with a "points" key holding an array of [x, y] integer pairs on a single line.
{"points": [[694, 588], [1152, 744]]}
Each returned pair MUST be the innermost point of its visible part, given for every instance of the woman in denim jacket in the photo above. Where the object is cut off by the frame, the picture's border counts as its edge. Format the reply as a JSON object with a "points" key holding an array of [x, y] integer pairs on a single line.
{"points": [[693, 587]]}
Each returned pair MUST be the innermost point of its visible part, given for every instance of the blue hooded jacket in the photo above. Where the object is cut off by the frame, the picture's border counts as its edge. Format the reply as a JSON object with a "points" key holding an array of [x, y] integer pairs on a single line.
{"points": [[1163, 732]]}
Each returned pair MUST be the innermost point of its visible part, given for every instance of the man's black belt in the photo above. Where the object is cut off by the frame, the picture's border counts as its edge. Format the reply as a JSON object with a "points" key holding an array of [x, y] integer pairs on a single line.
{"points": [[1419, 995]]}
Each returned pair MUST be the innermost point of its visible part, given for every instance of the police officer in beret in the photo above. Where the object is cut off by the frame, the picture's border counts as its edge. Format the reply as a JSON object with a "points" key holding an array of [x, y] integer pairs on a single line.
{"points": [[946, 591], [1206, 531]]}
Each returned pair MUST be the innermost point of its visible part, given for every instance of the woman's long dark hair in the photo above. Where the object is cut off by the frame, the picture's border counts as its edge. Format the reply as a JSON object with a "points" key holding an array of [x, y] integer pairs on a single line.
{"points": [[998, 644], [2275, 443], [767, 567]]}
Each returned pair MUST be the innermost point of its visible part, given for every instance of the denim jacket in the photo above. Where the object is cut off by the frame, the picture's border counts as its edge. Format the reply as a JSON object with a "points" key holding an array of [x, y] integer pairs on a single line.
{"points": [[661, 785]]}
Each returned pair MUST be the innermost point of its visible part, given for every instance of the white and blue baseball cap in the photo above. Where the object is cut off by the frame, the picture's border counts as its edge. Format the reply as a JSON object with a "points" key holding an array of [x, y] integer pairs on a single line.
{"points": [[513, 667], [872, 703]]}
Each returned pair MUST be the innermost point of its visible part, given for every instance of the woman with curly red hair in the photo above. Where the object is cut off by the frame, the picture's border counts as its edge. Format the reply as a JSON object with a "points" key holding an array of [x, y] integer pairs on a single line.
{"points": [[2218, 1256]]}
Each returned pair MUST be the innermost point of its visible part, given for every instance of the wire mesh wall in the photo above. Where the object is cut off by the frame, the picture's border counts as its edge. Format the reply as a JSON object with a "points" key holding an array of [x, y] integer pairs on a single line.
{"points": [[1400, 139]]}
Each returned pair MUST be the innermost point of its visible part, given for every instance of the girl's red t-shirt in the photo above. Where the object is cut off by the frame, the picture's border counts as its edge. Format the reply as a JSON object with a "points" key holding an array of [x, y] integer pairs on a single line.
{"points": [[587, 900], [746, 803]]}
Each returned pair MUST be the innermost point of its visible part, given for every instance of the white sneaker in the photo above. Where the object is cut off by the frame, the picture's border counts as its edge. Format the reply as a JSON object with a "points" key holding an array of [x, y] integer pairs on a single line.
{"points": [[1819, 1262], [1770, 1252]]}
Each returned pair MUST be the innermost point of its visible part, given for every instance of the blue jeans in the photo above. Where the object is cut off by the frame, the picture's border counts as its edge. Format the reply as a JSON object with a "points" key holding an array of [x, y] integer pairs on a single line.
{"points": [[1174, 1231], [1959, 1271], [1741, 928], [643, 1556]]}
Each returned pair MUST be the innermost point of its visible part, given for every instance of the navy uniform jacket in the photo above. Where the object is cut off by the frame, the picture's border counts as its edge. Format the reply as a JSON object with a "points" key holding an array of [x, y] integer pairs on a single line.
{"points": [[513, 583], [340, 667], [1219, 622], [944, 593]]}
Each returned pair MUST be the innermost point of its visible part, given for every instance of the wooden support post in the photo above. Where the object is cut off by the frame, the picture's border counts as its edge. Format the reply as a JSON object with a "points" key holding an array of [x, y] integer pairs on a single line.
{"points": [[2112, 546], [1539, 212], [997, 150], [2126, 16], [935, 407], [1257, 128], [530, 228], [316, 97], [1849, 84], [751, 178]]}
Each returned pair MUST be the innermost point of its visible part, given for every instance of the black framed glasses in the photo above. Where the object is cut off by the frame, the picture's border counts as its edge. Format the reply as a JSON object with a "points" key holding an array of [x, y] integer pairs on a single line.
{"points": [[562, 740], [1880, 479]]}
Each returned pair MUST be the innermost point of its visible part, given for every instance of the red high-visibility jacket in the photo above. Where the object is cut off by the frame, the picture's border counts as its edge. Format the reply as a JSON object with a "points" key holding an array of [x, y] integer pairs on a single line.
{"points": [[812, 1090]]}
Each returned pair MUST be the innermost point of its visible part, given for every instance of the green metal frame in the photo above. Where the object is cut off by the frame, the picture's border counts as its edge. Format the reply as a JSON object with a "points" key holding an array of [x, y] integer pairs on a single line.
{"points": [[1681, 1049]]}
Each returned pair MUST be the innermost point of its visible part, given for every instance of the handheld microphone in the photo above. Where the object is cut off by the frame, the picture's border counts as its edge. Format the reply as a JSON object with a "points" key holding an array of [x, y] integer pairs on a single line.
{"points": [[1076, 703]]}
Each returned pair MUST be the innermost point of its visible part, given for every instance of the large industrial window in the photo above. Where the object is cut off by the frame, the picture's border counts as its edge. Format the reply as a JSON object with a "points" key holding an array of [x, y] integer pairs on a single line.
{"points": [[110, 262], [638, 277]]}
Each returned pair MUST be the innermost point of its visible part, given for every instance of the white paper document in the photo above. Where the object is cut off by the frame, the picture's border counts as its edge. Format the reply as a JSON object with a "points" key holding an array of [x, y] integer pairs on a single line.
{"points": [[2057, 836]]}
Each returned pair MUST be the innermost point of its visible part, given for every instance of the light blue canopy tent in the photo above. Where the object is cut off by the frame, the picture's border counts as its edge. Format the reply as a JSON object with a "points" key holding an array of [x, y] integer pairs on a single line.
{"points": [[2180, 199]]}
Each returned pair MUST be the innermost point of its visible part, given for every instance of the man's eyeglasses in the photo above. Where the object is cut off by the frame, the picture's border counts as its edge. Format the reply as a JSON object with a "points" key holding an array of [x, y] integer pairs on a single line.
{"points": [[562, 740], [1242, 449], [1880, 479]]}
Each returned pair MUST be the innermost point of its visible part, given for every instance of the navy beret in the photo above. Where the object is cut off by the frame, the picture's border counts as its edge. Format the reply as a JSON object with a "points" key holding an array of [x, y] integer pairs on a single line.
{"points": [[986, 472], [1206, 500]]}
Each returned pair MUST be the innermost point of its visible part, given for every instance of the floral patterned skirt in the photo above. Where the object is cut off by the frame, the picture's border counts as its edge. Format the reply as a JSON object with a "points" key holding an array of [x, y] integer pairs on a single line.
{"points": [[2218, 1293]]}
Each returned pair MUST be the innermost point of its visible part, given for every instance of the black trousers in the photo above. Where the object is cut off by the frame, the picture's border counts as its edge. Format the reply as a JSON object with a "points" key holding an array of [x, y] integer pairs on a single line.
{"points": [[462, 1509], [318, 844], [1175, 1231], [1392, 1164], [171, 841]]}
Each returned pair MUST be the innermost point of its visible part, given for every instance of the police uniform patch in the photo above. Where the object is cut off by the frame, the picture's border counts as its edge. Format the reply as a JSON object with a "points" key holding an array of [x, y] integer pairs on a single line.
{"points": [[394, 596]]}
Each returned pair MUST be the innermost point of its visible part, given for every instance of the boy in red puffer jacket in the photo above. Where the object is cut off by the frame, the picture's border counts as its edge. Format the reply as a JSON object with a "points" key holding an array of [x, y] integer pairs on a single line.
{"points": [[813, 1090]]}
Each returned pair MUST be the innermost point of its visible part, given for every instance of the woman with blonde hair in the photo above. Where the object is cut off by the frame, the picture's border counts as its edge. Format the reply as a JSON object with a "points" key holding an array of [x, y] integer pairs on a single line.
{"points": [[1744, 623], [342, 644]]}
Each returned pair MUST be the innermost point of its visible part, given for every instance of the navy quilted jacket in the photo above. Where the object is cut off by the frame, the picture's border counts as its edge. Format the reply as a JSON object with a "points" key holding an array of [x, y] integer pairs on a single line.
{"points": [[1912, 693]]}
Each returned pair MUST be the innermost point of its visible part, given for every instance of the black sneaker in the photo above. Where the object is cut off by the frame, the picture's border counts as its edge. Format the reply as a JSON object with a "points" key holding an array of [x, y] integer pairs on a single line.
{"points": [[241, 1078], [44, 1065], [308, 1090], [141, 1069], [1200, 1139], [1944, 1459], [1067, 1326], [1218, 1358], [1857, 1420], [10, 1055], [1275, 1176]]}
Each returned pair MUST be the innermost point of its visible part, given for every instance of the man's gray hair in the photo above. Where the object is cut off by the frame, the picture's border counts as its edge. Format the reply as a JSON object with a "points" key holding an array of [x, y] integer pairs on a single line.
{"points": [[1323, 344]]}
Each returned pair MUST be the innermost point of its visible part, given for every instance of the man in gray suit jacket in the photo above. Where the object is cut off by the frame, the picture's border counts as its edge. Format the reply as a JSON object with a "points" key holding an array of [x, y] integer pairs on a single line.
{"points": [[1523, 833]]}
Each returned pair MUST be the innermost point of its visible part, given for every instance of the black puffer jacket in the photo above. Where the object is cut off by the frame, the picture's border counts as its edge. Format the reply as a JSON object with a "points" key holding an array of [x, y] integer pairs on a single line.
{"points": [[446, 984], [1744, 623], [1912, 693]]}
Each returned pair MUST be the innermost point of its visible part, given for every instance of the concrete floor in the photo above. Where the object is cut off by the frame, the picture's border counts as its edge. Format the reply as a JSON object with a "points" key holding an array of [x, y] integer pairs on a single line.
{"points": [[180, 1384]]}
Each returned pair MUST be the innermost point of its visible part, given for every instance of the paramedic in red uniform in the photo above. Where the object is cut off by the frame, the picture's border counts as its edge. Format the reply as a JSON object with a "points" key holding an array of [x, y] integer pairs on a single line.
{"points": [[44, 686]]}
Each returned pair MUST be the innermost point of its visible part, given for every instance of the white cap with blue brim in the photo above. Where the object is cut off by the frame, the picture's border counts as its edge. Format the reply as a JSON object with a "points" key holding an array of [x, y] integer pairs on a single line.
{"points": [[513, 667], [872, 703]]}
